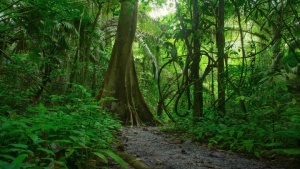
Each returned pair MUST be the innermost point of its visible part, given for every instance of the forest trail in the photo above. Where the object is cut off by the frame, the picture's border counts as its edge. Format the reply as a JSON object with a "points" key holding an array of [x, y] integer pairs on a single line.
{"points": [[158, 150]]}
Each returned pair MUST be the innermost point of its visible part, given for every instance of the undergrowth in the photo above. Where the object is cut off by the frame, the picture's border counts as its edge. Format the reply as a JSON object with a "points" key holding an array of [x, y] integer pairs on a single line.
{"points": [[68, 132], [268, 126], [259, 134]]}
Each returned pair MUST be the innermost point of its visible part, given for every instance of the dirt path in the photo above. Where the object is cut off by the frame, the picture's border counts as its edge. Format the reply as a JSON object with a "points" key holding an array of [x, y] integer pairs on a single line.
{"points": [[159, 151]]}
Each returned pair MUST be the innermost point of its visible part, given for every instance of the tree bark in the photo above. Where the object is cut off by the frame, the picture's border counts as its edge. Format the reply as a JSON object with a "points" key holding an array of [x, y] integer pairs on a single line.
{"points": [[121, 80], [198, 84], [220, 38]]}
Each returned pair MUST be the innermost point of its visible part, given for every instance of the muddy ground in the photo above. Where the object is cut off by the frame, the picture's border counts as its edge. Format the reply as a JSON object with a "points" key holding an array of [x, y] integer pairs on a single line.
{"points": [[160, 150]]}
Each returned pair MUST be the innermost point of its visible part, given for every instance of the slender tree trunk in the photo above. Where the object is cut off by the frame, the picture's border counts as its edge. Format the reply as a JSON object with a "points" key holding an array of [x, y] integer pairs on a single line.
{"points": [[3, 44], [74, 66], [198, 84], [243, 73], [88, 46], [212, 70], [95, 71], [220, 38], [121, 80], [276, 49], [83, 58], [46, 76]]}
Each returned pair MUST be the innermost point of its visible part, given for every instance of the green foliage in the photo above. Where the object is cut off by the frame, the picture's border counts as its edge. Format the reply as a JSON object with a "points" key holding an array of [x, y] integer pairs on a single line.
{"points": [[290, 59], [78, 128], [252, 136], [59, 38], [270, 125], [14, 98]]}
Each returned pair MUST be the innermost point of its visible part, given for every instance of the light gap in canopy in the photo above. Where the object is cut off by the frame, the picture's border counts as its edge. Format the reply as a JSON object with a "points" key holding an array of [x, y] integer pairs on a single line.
{"points": [[162, 10]]}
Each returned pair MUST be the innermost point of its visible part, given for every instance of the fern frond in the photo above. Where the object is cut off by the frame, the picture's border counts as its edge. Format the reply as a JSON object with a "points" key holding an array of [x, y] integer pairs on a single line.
{"points": [[149, 36], [148, 53]]}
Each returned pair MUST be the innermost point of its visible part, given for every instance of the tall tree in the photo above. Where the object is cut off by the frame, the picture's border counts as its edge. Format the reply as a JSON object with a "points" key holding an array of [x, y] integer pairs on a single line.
{"points": [[120, 79], [198, 84], [220, 39]]}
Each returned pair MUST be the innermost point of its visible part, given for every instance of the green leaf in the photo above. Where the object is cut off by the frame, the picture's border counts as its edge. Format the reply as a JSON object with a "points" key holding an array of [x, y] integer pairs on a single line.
{"points": [[102, 156], [82, 144], [288, 134], [64, 141], [232, 144], [3, 28], [256, 153], [275, 144], [298, 34], [12, 150], [248, 145], [284, 87], [7, 156], [34, 56], [222, 126], [69, 152], [2, 163], [242, 97], [47, 151], [240, 134], [33, 137], [20, 159], [20, 145], [36, 140], [42, 108], [78, 132], [114, 156], [200, 135], [294, 151], [294, 101], [74, 138]]}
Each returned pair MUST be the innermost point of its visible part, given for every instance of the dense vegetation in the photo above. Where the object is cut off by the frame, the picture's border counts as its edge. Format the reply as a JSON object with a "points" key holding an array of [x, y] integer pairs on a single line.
{"points": [[224, 72]]}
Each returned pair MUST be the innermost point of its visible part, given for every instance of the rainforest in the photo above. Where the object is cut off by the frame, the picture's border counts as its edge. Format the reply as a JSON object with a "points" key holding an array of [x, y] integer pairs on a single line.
{"points": [[103, 83]]}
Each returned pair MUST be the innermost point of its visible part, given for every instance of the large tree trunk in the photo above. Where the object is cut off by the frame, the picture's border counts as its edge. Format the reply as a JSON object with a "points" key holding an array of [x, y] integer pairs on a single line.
{"points": [[121, 80]]}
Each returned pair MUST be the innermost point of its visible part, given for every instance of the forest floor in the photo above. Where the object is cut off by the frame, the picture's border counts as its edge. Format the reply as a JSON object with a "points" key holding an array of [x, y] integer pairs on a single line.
{"points": [[163, 150]]}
